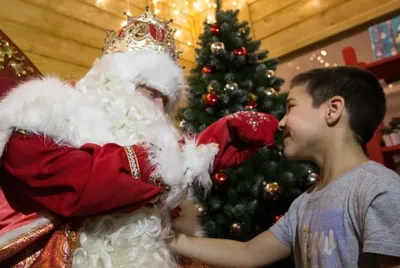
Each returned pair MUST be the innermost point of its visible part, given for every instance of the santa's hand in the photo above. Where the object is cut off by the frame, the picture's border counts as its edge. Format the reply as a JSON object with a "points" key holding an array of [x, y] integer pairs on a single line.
{"points": [[239, 136]]}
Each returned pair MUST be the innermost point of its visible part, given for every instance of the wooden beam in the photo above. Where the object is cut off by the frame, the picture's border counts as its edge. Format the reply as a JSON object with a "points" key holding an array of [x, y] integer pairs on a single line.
{"points": [[133, 3], [58, 21], [292, 15], [244, 15], [259, 9], [250, 2], [188, 66], [34, 17], [179, 20], [50, 46], [49, 66], [117, 7], [84, 12], [327, 24]]}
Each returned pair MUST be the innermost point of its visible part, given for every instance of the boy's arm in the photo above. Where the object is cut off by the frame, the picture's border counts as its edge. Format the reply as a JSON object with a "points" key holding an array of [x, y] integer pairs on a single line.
{"points": [[266, 248], [262, 250]]}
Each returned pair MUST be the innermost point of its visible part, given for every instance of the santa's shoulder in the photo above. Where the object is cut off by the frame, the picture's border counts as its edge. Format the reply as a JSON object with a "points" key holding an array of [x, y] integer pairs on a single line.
{"points": [[49, 87]]}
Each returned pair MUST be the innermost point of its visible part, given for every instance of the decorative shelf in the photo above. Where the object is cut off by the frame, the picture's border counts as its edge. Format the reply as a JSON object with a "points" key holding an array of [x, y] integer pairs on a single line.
{"points": [[391, 149]]}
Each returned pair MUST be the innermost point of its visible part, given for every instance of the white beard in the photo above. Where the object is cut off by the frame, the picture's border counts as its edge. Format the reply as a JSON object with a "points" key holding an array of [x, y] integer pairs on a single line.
{"points": [[110, 111], [131, 115], [134, 239], [125, 240]]}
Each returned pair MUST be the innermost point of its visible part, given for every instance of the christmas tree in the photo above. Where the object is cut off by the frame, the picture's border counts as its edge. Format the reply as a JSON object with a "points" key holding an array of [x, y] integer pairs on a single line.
{"points": [[232, 75]]}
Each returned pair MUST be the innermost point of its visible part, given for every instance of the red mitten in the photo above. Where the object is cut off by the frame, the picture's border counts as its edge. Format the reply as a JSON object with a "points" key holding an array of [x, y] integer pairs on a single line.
{"points": [[239, 136]]}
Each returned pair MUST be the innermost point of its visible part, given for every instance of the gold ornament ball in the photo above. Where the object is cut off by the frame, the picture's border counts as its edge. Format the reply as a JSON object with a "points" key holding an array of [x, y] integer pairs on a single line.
{"points": [[253, 97], [200, 209], [217, 47], [210, 88], [270, 74], [271, 92], [231, 86], [236, 227], [313, 177], [272, 190], [182, 124]]}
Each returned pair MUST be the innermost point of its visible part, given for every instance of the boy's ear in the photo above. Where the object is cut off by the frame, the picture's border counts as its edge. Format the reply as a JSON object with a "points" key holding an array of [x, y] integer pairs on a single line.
{"points": [[335, 109]]}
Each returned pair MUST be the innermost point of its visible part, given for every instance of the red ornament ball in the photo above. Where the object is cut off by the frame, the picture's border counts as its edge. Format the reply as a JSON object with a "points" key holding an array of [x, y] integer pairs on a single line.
{"points": [[220, 179], [277, 217], [215, 29], [211, 99], [206, 70], [251, 105], [121, 32], [240, 51]]}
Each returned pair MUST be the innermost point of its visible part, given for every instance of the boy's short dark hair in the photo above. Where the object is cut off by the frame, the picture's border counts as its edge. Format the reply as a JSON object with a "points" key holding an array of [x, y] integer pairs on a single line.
{"points": [[363, 94]]}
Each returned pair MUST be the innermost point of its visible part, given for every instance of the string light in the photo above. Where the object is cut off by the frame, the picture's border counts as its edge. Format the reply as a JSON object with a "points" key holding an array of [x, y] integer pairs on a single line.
{"points": [[99, 2], [181, 11], [323, 53], [196, 5]]}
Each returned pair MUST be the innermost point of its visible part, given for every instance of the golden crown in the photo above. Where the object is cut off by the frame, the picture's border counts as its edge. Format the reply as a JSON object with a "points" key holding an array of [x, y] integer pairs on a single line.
{"points": [[145, 32]]}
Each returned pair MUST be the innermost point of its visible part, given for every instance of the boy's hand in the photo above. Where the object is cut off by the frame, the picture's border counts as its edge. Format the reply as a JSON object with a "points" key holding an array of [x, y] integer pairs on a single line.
{"points": [[188, 221]]}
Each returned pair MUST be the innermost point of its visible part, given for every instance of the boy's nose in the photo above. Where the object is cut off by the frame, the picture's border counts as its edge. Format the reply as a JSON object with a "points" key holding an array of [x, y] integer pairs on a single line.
{"points": [[282, 123]]}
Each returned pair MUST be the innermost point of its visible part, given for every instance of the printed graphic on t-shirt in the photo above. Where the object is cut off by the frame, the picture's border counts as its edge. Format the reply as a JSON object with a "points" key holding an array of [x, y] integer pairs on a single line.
{"points": [[321, 235]]}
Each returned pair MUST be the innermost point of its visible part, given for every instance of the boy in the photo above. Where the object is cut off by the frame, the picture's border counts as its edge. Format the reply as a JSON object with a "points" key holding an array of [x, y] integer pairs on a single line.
{"points": [[351, 218]]}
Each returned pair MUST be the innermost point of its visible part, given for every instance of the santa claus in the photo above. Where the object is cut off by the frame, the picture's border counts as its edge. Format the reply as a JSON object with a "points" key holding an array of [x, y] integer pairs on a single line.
{"points": [[102, 145], [91, 173]]}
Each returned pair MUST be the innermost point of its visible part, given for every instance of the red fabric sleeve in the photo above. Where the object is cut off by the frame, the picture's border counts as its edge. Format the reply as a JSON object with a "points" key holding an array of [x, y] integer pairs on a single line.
{"points": [[72, 182]]}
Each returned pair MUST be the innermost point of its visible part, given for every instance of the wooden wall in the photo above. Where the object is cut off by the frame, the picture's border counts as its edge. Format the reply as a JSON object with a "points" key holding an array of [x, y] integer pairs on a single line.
{"points": [[65, 36], [285, 26]]}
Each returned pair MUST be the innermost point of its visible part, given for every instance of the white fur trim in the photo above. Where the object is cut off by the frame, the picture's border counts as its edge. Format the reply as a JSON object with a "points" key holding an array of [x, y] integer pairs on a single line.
{"points": [[156, 70], [133, 240], [8, 237], [55, 109]]}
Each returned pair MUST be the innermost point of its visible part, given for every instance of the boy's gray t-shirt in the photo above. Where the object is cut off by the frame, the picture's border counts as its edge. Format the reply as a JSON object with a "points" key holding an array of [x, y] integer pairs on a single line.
{"points": [[356, 214]]}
